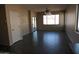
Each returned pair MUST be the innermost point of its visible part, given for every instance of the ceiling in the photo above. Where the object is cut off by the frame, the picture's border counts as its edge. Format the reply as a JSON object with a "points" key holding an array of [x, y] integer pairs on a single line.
{"points": [[42, 7]]}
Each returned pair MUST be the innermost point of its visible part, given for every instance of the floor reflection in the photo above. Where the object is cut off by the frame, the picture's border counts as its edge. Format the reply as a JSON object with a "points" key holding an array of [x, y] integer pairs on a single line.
{"points": [[76, 48], [42, 42], [35, 38], [51, 39]]}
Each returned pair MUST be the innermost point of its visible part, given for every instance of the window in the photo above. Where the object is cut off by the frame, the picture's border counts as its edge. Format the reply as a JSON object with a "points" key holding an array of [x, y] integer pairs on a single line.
{"points": [[51, 19]]}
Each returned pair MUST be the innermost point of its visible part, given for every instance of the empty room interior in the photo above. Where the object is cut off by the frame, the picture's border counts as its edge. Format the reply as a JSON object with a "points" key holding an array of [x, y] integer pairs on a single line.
{"points": [[39, 28]]}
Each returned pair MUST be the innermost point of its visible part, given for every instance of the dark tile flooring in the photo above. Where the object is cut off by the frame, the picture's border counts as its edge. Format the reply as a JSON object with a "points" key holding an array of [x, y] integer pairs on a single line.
{"points": [[42, 42], [4, 49], [75, 48]]}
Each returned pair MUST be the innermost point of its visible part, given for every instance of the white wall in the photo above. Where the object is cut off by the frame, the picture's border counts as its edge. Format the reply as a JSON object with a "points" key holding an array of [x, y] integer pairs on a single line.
{"points": [[23, 15]]}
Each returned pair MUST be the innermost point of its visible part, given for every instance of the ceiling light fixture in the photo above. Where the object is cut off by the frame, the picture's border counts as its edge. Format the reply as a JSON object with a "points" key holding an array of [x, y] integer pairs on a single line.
{"points": [[47, 12]]}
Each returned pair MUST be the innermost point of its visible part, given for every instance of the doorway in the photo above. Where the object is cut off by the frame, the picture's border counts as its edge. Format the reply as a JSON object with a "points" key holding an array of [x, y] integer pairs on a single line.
{"points": [[34, 27]]}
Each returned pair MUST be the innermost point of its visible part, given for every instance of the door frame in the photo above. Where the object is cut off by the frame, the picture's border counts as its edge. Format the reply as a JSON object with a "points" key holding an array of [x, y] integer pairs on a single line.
{"points": [[34, 24]]}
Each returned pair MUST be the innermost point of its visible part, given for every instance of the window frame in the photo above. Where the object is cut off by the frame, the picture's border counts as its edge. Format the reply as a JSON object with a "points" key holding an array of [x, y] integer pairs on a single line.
{"points": [[53, 24]]}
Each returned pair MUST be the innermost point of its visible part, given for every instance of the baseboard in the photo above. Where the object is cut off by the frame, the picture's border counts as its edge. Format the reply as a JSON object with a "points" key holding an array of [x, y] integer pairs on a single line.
{"points": [[29, 33]]}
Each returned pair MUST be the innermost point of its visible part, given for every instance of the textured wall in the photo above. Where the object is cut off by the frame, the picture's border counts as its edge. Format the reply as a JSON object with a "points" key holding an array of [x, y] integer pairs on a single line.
{"points": [[24, 20], [70, 23]]}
